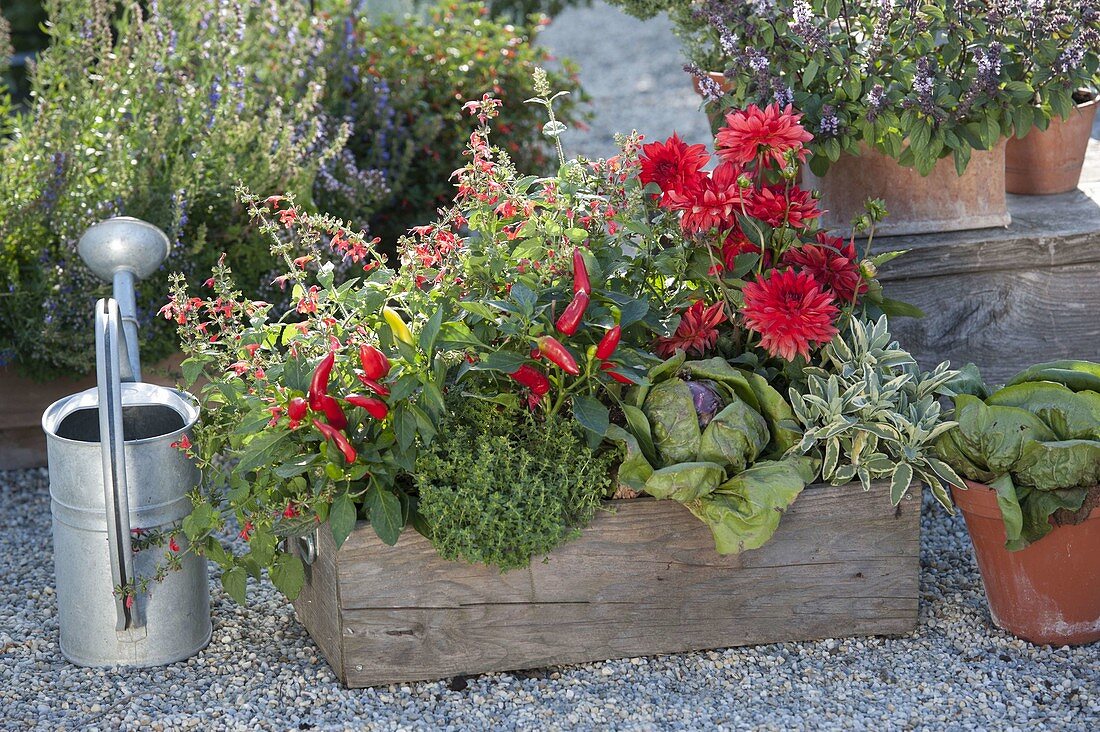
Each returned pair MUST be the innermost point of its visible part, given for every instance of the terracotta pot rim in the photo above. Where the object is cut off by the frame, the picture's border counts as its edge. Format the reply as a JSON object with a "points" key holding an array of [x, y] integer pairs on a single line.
{"points": [[979, 499]]}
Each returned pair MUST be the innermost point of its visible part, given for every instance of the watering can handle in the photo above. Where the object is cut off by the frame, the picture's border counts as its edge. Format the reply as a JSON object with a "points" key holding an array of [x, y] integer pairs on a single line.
{"points": [[112, 368]]}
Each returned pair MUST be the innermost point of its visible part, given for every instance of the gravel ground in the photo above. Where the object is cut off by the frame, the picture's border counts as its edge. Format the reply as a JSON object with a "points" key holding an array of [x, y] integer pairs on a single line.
{"points": [[261, 670], [633, 71]]}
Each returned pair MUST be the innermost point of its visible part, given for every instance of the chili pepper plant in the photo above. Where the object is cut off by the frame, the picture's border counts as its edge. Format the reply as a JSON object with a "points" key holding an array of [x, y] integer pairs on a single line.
{"points": [[567, 305]]}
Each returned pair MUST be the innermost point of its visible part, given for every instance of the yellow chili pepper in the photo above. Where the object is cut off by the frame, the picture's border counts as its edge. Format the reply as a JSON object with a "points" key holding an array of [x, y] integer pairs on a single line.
{"points": [[400, 331]]}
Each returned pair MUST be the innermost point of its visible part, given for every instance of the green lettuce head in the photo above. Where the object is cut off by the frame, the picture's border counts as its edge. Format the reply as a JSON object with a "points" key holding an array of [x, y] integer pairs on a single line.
{"points": [[698, 434]]}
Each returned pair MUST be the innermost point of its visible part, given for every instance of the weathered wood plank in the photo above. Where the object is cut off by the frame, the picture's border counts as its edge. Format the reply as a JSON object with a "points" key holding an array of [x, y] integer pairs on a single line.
{"points": [[642, 580], [318, 604], [1004, 320]]}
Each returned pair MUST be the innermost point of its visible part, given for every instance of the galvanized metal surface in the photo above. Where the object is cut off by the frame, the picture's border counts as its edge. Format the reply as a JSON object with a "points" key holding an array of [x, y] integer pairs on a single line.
{"points": [[122, 250], [172, 621], [102, 487]]}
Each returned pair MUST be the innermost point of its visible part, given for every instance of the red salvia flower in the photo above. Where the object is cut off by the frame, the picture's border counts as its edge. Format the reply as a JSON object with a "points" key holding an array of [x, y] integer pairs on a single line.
{"points": [[832, 264], [713, 205], [768, 133], [791, 313], [173, 545], [777, 206], [697, 331], [673, 164]]}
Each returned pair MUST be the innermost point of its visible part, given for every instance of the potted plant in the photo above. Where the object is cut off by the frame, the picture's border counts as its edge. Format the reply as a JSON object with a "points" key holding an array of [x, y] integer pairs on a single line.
{"points": [[889, 91], [1054, 55], [635, 334], [1031, 455]]}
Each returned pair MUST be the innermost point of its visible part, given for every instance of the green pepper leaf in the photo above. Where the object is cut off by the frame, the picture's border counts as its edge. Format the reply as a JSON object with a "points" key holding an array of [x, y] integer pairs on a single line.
{"points": [[341, 518], [288, 575]]}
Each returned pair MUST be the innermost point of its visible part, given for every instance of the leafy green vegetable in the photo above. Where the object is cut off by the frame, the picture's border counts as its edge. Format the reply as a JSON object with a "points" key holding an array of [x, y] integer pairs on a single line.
{"points": [[1036, 442], [700, 427]]}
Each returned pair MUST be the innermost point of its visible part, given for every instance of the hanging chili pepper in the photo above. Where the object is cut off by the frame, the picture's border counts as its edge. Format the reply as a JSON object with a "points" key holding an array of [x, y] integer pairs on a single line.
{"points": [[558, 354], [318, 385], [581, 282], [375, 407], [606, 367], [400, 331], [570, 318], [532, 378], [331, 433], [375, 363], [296, 410], [377, 388], [609, 343], [334, 413]]}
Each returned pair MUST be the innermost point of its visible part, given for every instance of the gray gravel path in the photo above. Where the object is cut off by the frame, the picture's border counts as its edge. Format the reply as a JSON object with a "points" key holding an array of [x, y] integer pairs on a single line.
{"points": [[633, 71], [261, 670]]}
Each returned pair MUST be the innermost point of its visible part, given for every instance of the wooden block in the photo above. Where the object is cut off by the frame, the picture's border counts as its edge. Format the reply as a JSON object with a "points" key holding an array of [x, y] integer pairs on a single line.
{"points": [[643, 578]]}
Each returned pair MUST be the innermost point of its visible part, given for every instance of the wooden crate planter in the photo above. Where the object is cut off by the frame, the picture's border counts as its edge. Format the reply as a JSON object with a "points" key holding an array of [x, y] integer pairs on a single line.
{"points": [[642, 579]]}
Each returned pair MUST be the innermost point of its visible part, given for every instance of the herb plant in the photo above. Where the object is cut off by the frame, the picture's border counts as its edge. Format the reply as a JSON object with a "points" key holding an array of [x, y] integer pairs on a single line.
{"points": [[151, 111], [868, 412], [915, 81], [498, 486]]}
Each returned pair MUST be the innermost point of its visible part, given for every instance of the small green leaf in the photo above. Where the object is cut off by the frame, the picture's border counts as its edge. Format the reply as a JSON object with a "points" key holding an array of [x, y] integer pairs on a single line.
{"points": [[341, 518], [591, 414], [288, 575], [234, 582], [430, 332], [385, 514], [192, 368], [899, 482]]}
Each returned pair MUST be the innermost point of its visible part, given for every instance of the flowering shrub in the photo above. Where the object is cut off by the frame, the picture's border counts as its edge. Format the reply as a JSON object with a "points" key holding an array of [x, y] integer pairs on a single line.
{"points": [[525, 323], [917, 81], [152, 113]]}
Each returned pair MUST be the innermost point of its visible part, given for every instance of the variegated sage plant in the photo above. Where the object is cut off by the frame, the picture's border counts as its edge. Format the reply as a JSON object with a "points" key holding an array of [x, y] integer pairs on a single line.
{"points": [[869, 412]]}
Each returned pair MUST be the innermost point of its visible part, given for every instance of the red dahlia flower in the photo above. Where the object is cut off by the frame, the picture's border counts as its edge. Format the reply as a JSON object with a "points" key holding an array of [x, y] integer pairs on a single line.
{"points": [[673, 164], [778, 206], [834, 266], [768, 133], [698, 330], [736, 244], [712, 205], [791, 312]]}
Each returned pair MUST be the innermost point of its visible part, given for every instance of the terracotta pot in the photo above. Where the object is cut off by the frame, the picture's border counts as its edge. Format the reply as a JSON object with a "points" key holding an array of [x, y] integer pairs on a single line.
{"points": [[22, 442], [1048, 593], [1050, 161], [941, 201]]}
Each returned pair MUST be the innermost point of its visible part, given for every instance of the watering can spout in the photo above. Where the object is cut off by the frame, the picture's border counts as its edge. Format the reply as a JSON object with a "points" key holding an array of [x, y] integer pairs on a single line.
{"points": [[122, 250]]}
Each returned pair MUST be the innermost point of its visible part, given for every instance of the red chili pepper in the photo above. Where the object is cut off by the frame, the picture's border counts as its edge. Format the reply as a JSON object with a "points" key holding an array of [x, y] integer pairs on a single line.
{"points": [[379, 389], [375, 407], [296, 410], [558, 354], [331, 433], [375, 363], [532, 378], [318, 385], [581, 282], [606, 367], [570, 318], [609, 343], [334, 413]]}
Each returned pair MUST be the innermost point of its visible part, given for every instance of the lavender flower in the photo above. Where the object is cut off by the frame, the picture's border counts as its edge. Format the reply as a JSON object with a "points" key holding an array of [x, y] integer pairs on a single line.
{"points": [[710, 89]]}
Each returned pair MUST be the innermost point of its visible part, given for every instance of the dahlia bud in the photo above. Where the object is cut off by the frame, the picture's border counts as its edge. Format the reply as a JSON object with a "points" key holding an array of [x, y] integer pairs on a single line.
{"points": [[868, 268], [744, 181]]}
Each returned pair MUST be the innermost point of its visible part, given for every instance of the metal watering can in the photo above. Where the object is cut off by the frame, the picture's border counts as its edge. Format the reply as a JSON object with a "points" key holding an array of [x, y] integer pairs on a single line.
{"points": [[113, 469]]}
